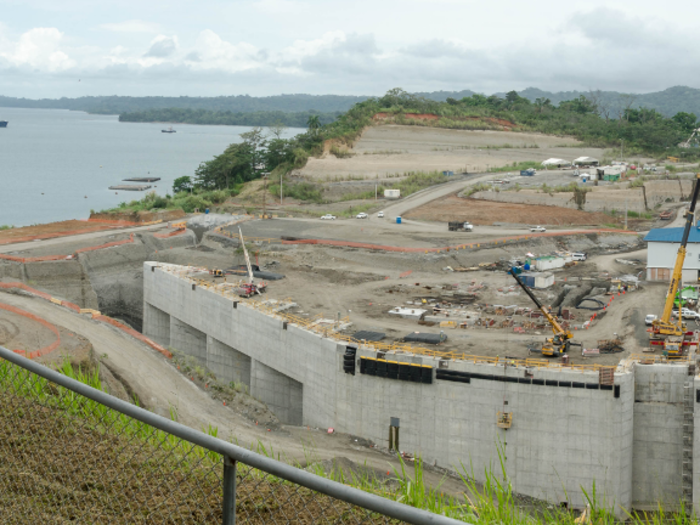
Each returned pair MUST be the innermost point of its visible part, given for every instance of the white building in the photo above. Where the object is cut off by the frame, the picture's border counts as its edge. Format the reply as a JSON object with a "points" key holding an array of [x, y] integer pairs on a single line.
{"points": [[662, 250]]}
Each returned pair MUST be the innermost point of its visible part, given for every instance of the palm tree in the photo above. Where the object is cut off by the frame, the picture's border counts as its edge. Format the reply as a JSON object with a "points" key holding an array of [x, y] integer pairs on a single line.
{"points": [[314, 123]]}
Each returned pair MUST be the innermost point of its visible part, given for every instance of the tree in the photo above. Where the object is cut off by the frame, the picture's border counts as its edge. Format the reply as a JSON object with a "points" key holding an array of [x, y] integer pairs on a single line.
{"points": [[687, 122], [182, 184], [256, 141], [314, 123], [278, 129]]}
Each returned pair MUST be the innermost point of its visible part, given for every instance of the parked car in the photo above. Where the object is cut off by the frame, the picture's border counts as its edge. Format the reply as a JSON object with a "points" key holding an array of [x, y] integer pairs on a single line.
{"points": [[362, 215], [579, 256], [380, 214], [649, 319], [538, 229], [687, 313], [328, 217]]}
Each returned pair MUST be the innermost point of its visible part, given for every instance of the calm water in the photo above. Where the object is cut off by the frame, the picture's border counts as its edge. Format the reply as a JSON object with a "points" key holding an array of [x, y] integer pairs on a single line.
{"points": [[51, 160]]}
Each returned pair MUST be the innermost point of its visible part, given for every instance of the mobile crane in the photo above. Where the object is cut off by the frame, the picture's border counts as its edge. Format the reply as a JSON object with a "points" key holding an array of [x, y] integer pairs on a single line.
{"points": [[557, 345], [664, 330]]}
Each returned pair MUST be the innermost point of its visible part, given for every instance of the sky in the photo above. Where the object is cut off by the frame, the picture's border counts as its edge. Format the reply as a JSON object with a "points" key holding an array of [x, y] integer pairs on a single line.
{"points": [[72, 48]]}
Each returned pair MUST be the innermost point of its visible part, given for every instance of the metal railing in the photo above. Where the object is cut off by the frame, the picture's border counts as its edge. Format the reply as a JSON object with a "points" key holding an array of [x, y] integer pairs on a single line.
{"points": [[70, 452]]}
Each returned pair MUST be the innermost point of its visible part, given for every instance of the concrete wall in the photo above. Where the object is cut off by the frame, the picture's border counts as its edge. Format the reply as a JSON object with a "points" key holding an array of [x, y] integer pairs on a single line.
{"points": [[156, 325], [567, 433], [658, 439]]}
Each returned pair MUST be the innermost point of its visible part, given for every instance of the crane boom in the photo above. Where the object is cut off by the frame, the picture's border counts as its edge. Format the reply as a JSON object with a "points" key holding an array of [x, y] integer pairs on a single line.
{"points": [[556, 327], [664, 326], [247, 259]]}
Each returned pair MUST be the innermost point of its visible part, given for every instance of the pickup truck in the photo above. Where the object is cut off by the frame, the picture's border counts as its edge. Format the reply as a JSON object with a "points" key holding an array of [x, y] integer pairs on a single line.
{"points": [[538, 229]]}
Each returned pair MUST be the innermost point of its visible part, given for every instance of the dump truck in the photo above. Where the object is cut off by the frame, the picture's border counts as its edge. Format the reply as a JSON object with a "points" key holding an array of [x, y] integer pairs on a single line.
{"points": [[460, 226]]}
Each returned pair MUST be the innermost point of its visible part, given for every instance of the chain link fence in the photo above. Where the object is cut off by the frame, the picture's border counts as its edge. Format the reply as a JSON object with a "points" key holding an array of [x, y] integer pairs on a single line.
{"points": [[70, 453]]}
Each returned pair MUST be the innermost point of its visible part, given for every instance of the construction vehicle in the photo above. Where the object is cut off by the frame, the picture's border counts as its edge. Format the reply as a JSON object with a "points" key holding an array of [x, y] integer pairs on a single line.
{"points": [[251, 287], [460, 226], [664, 330], [559, 344]]}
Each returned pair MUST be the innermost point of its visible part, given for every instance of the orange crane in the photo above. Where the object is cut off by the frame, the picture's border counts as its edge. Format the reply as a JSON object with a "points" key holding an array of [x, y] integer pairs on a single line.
{"points": [[557, 345], [664, 330]]}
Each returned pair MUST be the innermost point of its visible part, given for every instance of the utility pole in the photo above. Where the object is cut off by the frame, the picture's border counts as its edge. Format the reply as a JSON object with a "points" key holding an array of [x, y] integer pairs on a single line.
{"points": [[622, 149], [264, 192]]}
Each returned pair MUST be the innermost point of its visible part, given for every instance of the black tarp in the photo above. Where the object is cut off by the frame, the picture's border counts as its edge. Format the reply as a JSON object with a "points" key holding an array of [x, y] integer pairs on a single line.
{"points": [[422, 337]]}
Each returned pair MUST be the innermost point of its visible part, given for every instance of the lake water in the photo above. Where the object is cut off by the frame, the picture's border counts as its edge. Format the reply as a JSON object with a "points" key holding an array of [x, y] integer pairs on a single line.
{"points": [[57, 164]]}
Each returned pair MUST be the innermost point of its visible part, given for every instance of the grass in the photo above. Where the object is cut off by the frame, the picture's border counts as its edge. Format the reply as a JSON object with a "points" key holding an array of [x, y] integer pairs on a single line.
{"points": [[185, 201], [341, 153], [471, 190], [302, 191], [5, 227], [517, 166]]}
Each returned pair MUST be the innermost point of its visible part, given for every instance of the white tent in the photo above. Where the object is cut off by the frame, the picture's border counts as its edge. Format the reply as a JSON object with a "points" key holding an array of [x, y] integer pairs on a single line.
{"points": [[556, 162], [590, 161]]}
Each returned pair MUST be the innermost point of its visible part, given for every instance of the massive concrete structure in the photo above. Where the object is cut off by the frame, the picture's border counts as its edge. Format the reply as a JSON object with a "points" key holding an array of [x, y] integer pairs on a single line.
{"points": [[631, 430]]}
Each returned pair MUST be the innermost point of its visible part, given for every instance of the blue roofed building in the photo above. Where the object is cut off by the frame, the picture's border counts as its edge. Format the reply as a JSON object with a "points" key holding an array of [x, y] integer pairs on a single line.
{"points": [[662, 250]]}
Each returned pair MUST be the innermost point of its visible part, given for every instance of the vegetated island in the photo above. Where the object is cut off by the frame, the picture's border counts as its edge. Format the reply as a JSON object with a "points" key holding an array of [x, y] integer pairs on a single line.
{"points": [[297, 119]]}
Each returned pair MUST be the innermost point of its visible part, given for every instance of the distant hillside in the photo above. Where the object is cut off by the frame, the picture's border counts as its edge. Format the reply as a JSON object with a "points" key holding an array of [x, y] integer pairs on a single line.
{"points": [[668, 102]]}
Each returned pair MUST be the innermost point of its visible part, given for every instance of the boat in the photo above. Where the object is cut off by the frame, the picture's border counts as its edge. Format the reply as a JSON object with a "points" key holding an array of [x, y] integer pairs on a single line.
{"points": [[169, 130], [3, 123]]}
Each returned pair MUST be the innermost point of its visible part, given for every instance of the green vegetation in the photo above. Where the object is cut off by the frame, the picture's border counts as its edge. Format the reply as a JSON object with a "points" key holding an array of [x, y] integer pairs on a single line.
{"points": [[341, 153], [5, 227], [471, 190], [185, 201], [518, 166], [227, 118], [303, 191]]}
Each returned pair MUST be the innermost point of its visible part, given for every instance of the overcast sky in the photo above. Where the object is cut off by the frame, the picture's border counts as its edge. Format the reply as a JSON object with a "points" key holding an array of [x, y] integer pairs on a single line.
{"points": [[51, 48]]}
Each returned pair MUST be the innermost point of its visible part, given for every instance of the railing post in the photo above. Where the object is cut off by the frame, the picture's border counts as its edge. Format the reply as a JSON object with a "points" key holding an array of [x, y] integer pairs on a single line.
{"points": [[229, 514]]}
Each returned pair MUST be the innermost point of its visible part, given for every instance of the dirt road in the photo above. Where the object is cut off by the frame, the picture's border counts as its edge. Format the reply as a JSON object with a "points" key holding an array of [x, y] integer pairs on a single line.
{"points": [[58, 241]]}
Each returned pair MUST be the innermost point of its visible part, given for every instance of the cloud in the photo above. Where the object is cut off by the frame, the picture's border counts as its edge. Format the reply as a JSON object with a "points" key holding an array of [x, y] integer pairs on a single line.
{"points": [[131, 26], [162, 47], [213, 52], [38, 48], [600, 48]]}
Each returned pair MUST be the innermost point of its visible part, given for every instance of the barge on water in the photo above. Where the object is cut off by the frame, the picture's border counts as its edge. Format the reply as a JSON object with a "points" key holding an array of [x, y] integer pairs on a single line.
{"points": [[3, 123], [142, 179], [131, 187]]}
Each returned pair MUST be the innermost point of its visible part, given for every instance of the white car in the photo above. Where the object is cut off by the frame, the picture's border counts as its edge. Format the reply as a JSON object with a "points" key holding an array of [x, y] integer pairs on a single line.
{"points": [[362, 215], [380, 214], [538, 229], [328, 217], [649, 319], [687, 314]]}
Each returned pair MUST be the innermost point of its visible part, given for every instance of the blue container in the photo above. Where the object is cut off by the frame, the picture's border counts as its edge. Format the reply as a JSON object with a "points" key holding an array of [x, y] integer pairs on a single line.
{"points": [[206, 211], [398, 220]]}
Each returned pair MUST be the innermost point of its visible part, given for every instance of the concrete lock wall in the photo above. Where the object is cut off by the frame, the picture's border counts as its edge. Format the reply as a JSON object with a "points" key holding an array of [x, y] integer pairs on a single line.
{"points": [[568, 431]]}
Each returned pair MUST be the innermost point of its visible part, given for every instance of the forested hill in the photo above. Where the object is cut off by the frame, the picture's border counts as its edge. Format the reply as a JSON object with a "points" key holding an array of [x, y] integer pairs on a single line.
{"points": [[668, 102]]}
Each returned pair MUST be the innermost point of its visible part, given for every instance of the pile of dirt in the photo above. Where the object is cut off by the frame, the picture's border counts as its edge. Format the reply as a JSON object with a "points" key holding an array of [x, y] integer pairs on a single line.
{"points": [[485, 213]]}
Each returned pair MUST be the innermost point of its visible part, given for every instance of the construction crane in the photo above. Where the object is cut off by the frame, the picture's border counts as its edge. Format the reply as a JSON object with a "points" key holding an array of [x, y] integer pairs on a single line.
{"points": [[249, 288], [553, 346], [664, 330], [687, 143]]}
